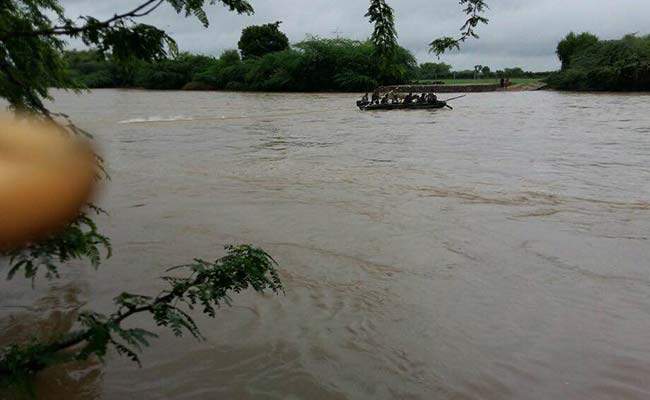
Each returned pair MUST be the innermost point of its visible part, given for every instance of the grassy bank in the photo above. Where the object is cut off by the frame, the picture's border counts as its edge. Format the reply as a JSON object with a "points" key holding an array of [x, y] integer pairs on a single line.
{"points": [[479, 81]]}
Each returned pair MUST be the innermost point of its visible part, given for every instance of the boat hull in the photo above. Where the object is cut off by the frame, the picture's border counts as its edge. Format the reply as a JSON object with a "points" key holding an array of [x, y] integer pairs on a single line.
{"points": [[401, 106]]}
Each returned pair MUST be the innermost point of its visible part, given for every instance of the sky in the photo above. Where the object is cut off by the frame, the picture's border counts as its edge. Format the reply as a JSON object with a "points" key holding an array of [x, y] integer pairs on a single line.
{"points": [[521, 33]]}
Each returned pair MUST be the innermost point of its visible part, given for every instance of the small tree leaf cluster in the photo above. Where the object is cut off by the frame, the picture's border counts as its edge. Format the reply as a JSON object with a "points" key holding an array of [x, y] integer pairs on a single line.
{"points": [[474, 9]]}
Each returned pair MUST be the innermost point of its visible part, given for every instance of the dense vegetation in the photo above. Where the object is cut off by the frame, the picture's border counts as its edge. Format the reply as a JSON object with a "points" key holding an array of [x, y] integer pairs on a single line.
{"points": [[589, 63], [312, 65]]}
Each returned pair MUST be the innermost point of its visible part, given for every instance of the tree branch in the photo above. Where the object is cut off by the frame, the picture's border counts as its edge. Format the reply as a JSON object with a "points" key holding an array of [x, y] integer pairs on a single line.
{"points": [[208, 285], [73, 30], [474, 10]]}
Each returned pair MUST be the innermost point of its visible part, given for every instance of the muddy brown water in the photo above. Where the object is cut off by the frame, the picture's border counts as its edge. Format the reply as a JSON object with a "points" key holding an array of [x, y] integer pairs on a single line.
{"points": [[497, 251]]}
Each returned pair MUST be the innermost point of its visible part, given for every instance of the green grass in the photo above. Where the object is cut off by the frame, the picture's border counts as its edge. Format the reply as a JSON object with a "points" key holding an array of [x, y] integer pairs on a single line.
{"points": [[481, 81]]}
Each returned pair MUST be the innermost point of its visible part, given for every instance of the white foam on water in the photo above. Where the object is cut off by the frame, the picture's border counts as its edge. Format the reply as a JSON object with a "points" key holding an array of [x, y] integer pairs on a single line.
{"points": [[156, 119]]}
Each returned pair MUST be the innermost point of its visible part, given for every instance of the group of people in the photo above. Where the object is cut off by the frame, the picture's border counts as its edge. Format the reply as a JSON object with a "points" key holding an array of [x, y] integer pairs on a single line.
{"points": [[392, 98]]}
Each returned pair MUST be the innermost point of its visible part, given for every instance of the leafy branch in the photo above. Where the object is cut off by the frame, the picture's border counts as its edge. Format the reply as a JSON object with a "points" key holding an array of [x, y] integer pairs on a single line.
{"points": [[79, 239], [93, 25], [474, 9], [208, 286], [384, 35]]}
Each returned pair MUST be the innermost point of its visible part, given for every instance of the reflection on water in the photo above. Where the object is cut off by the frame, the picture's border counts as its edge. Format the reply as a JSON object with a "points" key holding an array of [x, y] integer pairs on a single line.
{"points": [[496, 251]]}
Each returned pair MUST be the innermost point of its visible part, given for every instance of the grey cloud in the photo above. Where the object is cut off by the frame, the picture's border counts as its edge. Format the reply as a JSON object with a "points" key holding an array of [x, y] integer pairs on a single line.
{"points": [[521, 32]]}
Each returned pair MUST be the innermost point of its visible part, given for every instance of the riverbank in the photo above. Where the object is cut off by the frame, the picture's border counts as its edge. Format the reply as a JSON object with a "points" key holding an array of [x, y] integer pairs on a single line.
{"points": [[464, 88], [478, 88]]}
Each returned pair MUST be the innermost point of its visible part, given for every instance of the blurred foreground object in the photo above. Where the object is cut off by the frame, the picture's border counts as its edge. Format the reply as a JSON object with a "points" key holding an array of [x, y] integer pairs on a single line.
{"points": [[46, 176]]}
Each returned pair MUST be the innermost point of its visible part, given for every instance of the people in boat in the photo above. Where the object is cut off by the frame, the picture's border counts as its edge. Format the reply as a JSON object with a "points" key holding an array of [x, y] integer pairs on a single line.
{"points": [[385, 99], [364, 100], [409, 98], [375, 97], [395, 99], [432, 98]]}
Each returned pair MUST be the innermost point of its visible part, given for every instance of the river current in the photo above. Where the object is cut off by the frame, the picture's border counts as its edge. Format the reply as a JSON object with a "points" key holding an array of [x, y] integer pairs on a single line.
{"points": [[496, 251]]}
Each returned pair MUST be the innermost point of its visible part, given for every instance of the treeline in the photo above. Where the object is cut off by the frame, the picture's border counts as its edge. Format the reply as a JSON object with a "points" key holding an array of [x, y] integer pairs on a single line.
{"points": [[436, 71], [589, 63], [312, 65]]}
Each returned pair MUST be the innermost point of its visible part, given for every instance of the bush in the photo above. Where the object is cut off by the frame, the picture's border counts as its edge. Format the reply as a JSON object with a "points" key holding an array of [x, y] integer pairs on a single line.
{"points": [[312, 65], [612, 65]]}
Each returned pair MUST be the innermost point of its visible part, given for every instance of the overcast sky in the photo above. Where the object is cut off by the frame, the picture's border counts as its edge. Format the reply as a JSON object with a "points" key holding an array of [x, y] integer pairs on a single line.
{"points": [[521, 32]]}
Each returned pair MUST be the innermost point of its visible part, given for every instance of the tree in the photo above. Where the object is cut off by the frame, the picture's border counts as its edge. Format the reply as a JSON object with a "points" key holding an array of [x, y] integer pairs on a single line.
{"points": [[613, 65], [485, 70], [384, 35], [258, 40], [434, 70], [230, 57], [477, 70], [571, 44], [515, 72]]}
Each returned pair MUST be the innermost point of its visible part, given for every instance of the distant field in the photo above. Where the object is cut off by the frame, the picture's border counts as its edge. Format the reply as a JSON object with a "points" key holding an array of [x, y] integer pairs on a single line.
{"points": [[478, 81]]}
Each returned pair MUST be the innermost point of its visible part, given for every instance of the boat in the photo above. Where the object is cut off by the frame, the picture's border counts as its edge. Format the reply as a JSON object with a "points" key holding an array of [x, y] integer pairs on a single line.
{"points": [[365, 106]]}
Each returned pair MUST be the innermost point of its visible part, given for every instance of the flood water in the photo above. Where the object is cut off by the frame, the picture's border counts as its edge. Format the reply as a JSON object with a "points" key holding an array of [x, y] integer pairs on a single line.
{"points": [[496, 251]]}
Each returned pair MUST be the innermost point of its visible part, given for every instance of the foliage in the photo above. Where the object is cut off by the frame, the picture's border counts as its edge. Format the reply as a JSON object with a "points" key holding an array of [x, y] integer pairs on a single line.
{"points": [[79, 239], [571, 44], [433, 70], [259, 40], [443, 72], [312, 65], [30, 59], [384, 39], [208, 285], [472, 81], [169, 74], [474, 10], [90, 68], [612, 65]]}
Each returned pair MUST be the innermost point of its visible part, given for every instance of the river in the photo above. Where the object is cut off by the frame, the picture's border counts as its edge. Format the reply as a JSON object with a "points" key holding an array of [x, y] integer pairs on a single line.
{"points": [[496, 251]]}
